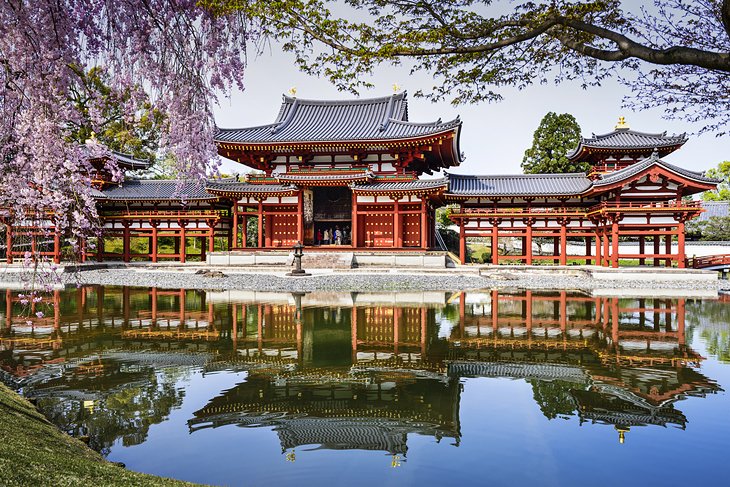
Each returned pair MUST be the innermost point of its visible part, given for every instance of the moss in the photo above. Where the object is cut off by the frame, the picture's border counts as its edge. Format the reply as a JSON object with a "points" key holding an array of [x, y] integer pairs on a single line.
{"points": [[34, 452]]}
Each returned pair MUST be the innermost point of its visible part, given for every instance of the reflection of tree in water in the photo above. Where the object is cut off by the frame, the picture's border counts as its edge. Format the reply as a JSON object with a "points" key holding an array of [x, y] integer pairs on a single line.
{"points": [[554, 397], [712, 319], [127, 412]]}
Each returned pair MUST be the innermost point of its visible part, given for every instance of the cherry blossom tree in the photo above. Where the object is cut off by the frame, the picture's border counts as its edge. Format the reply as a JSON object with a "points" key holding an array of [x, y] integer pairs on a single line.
{"points": [[175, 54]]}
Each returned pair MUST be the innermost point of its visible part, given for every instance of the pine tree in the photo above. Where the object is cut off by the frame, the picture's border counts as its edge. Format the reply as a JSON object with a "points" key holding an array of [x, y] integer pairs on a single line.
{"points": [[556, 136]]}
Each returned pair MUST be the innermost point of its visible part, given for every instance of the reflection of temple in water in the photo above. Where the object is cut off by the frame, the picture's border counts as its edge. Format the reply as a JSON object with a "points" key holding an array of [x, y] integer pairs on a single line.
{"points": [[365, 370]]}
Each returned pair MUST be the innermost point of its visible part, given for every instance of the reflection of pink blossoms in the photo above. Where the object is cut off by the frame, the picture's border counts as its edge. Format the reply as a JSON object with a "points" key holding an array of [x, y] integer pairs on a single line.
{"points": [[40, 314]]}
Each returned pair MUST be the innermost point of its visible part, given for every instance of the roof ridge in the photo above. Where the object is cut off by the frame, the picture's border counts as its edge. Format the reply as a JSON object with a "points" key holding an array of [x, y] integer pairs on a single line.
{"points": [[353, 101], [435, 123], [638, 132], [512, 176], [265, 126]]}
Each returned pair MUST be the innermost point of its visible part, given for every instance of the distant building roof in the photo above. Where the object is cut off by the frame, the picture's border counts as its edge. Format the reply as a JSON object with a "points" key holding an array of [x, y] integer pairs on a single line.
{"points": [[519, 185], [625, 139], [157, 190], [126, 161], [367, 119], [414, 185], [714, 209]]}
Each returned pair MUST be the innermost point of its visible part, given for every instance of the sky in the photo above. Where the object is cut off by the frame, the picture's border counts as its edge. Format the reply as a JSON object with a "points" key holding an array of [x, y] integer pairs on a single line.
{"points": [[494, 135]]}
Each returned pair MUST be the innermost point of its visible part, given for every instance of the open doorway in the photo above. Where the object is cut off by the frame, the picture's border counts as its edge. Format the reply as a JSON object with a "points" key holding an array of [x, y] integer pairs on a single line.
{"points": [[332, 216]]}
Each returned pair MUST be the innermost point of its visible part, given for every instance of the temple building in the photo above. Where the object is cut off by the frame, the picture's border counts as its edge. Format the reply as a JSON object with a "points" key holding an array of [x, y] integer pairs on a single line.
{"points": [[355, 175]]}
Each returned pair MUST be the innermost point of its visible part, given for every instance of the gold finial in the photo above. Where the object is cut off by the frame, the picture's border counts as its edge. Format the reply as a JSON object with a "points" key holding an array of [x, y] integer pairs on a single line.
{"points": [[293, 91], [622, 123], [396, 87], [395, 462], [621, 433], [291, 456]]}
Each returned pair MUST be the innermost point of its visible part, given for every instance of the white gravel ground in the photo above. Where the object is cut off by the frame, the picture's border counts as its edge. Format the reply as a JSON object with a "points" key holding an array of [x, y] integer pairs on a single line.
{"points": [[363, 281]]}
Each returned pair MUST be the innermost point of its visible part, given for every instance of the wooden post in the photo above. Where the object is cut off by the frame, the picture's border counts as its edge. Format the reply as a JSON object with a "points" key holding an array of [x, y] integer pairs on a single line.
{"points": [[681, 256], [154, 242], [495, 243], [126, 243], [424, 223], [656, 248], [397, 227], [589, 261], [261, 224], [606, 252], [462, 242], [528, 313], [614, 244], [56, 247], [182, 244], [563, 243], [235, 224], [599, 245], [8, 244], [668, 247], [300, 217], [642, 249], [211, 240], [528, 245], [354, 229]]}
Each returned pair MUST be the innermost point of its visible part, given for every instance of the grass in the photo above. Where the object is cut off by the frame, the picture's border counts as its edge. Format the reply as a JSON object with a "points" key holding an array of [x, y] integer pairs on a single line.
{"points": [[34, 452]]}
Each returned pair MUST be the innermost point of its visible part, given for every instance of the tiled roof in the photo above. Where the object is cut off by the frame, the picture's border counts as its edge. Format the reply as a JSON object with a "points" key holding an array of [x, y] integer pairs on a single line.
{"points": [[336, 120], [129, 162], [233, 186], [628, 139], [157, 190], [714, 209], [415, 185], [634, 169], [519, 185], [315, 176]]}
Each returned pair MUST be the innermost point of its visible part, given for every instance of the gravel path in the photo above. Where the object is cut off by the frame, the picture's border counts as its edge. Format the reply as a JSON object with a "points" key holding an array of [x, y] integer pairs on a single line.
{"points": [[360, 281]]}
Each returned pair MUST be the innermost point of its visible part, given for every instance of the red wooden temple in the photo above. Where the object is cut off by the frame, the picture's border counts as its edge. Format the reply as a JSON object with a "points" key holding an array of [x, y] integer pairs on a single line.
{"points": [[348, 175]]}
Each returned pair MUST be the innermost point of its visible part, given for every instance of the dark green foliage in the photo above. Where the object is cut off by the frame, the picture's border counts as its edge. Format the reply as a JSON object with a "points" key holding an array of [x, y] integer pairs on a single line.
{"points": [[553, 140], [716, 228], [721, 172]]}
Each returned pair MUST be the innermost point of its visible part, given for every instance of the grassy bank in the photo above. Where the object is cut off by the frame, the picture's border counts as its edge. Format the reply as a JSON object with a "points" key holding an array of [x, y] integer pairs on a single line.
{"points": [[35, 452]]}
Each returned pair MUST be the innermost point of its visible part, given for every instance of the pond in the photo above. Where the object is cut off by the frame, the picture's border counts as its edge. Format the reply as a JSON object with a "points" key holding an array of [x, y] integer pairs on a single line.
{"points": [[489, 388]]}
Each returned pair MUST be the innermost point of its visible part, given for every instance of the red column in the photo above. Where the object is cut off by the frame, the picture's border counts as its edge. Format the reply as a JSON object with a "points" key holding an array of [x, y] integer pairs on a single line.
{"points": [[681, 256], [668, 247], [153, 250], [588, 251], [606, 253], [563, 243], [424, 223], [261, 224], [495, 243], [211, 240], [599, 245], [354, 229], [642, 249], [182, 244], [397, 228], [56, 247], [9, 244], [462, 242], [656, 248], [528, 313], [235, 224], [680, 322], [614, 244], [126, 242], [300, 217], [528, 245]]}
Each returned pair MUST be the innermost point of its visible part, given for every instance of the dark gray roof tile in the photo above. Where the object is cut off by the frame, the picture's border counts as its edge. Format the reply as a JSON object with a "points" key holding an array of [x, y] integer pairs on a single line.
{"points": [[157, 190], [246, 188], [634, 169], [337, 120], [519, 185], [415, 185], [714, 209], [629, 139]]}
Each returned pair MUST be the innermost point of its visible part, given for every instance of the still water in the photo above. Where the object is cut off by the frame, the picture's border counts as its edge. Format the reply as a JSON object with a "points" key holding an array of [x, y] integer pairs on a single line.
{"points": [[478, 388]]}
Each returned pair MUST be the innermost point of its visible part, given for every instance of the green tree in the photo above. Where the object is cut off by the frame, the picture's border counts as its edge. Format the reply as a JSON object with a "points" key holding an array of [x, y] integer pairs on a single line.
{"points": [[722, 193], [674, 53], [715, 228], [554, 138], [138, 136]]}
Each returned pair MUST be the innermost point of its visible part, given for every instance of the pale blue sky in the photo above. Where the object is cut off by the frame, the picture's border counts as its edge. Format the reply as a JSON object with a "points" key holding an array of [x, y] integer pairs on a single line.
{"points": [[494, 136]]}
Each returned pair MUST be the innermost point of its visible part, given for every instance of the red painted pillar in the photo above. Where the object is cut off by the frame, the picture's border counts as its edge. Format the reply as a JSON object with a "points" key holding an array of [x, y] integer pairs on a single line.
{"points": [[235, 225], [462, 242], [9, 244], [681, 256], [614, 244], [642, 249], [153, 250], [56, 247], [563, 243], [424, 223], [495, 243], [397, 227], [668, 247], [354, 230], [606, 253], [528, 245], [261, 225], [300, 217], [182, 244], [599, 247], [126, 243]]}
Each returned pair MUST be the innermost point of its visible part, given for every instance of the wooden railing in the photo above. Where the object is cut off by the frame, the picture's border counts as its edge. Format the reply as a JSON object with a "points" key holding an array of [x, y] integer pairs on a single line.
{"points": [[165, 213], [610, 206], [709, 261]]}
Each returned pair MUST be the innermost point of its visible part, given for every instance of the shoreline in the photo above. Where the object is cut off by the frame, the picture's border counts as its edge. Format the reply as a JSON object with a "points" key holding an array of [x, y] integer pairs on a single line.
{"points": [[378, 279], [36, 452]]}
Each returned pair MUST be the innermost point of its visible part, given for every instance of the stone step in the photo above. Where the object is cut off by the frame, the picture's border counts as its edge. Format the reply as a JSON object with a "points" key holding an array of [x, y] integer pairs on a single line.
{"points": [[325, 260]]}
